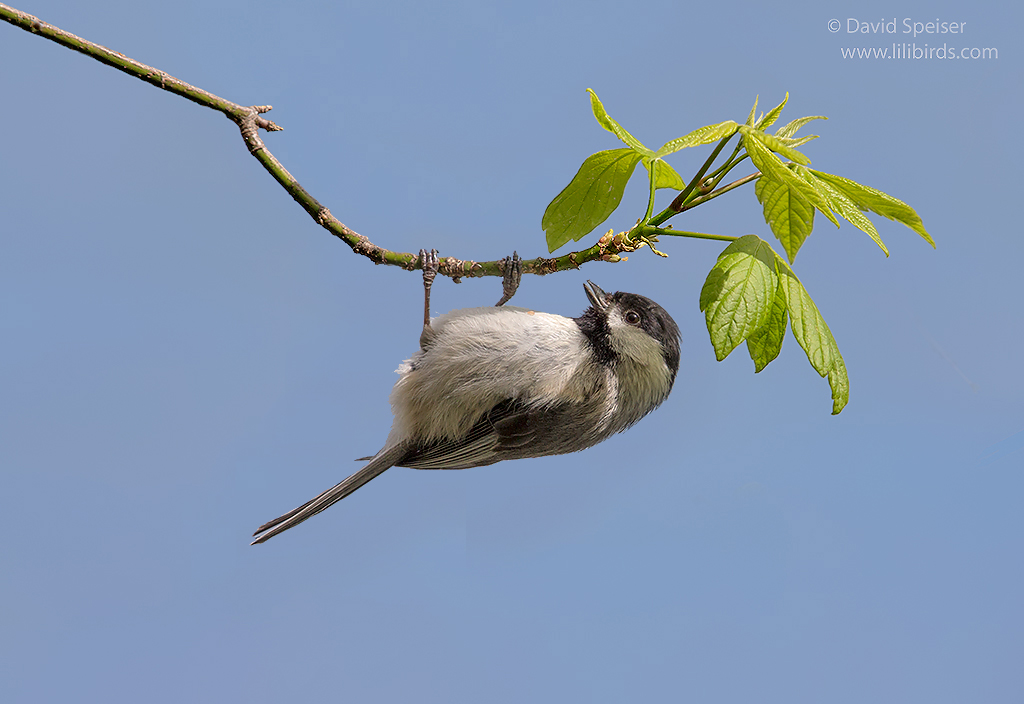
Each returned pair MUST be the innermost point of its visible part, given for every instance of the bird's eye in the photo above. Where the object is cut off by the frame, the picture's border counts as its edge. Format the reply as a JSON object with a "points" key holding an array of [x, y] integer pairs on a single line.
{"points": [[632, 317]]}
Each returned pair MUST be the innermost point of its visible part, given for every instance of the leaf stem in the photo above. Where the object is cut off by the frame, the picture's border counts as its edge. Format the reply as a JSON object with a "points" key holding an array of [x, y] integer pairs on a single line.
{"points": [[649, 231], [728, 166], [650, 201], [724, 189], [677, 204]]}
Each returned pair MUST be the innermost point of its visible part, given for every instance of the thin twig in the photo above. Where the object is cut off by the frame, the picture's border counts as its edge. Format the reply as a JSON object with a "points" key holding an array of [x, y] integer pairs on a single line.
{"points": [[249, 120]]}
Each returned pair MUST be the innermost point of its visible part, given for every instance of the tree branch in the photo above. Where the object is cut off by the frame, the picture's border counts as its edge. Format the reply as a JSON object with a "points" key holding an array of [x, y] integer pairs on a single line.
{"points": [[249, 120]]}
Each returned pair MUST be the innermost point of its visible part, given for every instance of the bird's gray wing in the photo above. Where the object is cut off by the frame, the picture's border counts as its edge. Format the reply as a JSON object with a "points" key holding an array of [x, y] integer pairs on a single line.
{"points": [[510, 430]]}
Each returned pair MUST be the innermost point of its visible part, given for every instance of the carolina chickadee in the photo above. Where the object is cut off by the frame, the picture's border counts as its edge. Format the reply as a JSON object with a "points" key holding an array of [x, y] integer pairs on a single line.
{"points": [[503, 383]]}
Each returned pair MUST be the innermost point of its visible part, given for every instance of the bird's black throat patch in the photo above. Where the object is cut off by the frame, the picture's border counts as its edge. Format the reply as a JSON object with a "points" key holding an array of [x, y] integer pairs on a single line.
{"points": [[594, 326]]}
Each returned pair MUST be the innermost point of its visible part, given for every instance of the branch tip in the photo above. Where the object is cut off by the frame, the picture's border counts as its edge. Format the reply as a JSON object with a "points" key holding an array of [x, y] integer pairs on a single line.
{"points": [[250, 121]]}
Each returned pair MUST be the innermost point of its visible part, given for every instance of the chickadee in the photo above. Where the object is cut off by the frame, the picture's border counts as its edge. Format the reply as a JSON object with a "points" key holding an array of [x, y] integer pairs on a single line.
{"points": [[503, 383]]}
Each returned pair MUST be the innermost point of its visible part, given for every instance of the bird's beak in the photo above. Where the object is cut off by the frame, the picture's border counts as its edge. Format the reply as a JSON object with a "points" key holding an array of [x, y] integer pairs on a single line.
{"points": [[598, 297]]}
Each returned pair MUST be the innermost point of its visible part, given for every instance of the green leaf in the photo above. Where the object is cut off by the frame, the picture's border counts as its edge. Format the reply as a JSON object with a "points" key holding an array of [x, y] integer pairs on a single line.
{"points": [[848, 210], [867, 198], [793, 142], [605, 120], [592, 195], [701, 135], [790, 129], [813, 335], [665, 175], [788, 214], [774, 143], [751, 118], [765, 343], [772, 115], [771, 167], [738, 295]]}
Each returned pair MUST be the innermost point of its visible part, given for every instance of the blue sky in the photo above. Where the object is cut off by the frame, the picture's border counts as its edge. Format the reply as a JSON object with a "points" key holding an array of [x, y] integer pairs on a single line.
{"points": [[187, 355]]}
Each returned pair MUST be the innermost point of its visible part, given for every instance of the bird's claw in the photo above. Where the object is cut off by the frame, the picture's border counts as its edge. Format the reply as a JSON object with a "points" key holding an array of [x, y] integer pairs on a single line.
{"points": [[430, 264], [512, 273]]}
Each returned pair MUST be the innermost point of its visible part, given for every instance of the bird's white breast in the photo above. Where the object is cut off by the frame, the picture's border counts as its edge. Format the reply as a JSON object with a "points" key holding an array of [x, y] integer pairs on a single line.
{"points": [[478, 357]]}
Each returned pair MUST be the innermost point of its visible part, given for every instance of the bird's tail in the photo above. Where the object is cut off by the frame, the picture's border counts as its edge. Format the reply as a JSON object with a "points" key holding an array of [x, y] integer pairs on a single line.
{"points": [[382, 461]]}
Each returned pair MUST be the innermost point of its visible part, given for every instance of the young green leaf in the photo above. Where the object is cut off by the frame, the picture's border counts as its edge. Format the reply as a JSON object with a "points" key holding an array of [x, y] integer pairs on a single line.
{"points": [[752, 117], [606, 121], [847, 209], [813, 335], [765, 343], [867, 198], [771, 167], [788, 214], [592, 195], [665, 175], [738, 295], [701, 135], [793, 142], [774, 143], [790, 129], [772, 115]]}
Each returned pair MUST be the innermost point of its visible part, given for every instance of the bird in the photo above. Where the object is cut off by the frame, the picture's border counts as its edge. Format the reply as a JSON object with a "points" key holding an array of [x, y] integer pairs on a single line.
{"points": [[499, 383]]}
